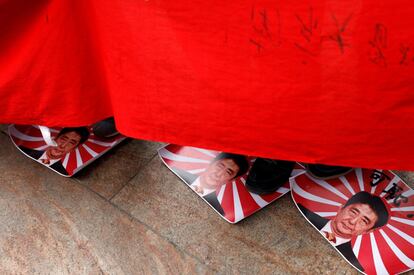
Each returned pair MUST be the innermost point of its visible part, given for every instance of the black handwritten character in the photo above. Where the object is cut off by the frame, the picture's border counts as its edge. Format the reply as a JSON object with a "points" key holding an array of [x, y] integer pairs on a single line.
{"points": [[392, 192], [379, 44], [265, 32], [308, 31], [377, 177], [400, 198], [262, 26], [404, 50], [258, 45], [410, 216], [338, 35], [307, 28], [395, 193]]}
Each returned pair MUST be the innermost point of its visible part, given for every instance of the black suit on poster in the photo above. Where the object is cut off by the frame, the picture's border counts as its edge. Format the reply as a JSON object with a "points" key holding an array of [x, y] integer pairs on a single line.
{"points": [[210, 198], [345, 248], [57, 166]]}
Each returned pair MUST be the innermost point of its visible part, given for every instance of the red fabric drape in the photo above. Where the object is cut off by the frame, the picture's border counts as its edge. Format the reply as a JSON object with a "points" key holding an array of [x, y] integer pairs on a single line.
{"points": [[316, 81]]}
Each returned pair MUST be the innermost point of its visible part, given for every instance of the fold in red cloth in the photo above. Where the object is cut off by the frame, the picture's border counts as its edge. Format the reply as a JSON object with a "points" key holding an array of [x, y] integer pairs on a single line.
{"points": [[321, 81]]}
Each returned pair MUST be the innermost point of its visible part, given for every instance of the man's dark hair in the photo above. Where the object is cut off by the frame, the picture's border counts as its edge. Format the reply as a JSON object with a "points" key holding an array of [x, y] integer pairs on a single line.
{"points": [[374, 202], [81, 131], [240, 160]]}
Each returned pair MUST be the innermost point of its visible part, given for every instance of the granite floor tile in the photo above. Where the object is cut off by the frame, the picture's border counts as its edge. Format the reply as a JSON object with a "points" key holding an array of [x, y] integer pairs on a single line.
{"points": [[275, 240], [406, 176], [156, 224], [108, 174], [53, 225], [3, 128]]}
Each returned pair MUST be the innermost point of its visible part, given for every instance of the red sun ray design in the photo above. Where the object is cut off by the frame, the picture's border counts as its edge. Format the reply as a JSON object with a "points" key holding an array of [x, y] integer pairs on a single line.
{"points": [[30, 137], [397, 252], [384, 179], [403, 231], [272, 196], [198, 153], [30, 144], [389, 248], [402, 223], [106, 140], [365, 256], [315, 206], [364, 175], [388, 255], [24, 138], [173, 148], [189, 167], [248, 204], [28, 130], [318, 207], [409, 215], [227, 202], [339, 185], [191, 152], [84, 154], [235, 200], [324, 189], [308, 193], [402, 198], [21, 135], [176, 159], [239, 212], [71, 164], [172, 156], [95, 147], [366, 178], [357, 185]]}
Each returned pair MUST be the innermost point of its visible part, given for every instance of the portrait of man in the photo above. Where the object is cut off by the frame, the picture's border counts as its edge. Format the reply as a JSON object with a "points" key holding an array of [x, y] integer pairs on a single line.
{"points": [[221, 170], [361, 214], [66, 140]]}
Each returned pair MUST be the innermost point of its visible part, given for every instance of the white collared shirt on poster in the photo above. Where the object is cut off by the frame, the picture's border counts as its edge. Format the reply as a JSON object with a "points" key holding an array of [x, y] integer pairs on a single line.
{"points": [[197, 183], [51, 161], [338, 240]]}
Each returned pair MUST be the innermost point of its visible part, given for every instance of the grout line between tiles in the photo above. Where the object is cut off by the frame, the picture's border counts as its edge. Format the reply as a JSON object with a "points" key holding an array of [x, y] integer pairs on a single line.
{"points": [[131, 178], [163, 237], [145, 225], [77, 181]]}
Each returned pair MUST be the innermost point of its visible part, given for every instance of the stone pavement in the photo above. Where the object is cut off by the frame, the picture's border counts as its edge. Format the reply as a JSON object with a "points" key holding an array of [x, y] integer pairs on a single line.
{"points": [[128, 214]]}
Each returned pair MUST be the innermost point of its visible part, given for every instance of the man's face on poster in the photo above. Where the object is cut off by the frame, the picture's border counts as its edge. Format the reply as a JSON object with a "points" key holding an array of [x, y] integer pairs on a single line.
{"points": [[219, 172], [353, 220], [65, 143]]}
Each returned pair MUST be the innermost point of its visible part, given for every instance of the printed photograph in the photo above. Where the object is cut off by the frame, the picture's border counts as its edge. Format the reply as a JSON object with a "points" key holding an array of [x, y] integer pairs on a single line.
{"points": [[75, 147], [222, 179], [367, 215]]}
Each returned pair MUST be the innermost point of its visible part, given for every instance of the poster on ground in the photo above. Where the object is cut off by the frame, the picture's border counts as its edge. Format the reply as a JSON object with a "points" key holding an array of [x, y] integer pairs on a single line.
{"points": [[367, 215], [73, 149], [226, 194]]}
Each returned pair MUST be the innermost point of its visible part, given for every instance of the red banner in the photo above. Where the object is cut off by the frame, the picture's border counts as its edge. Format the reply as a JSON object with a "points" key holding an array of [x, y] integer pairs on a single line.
{"points": [[320, 81]]}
